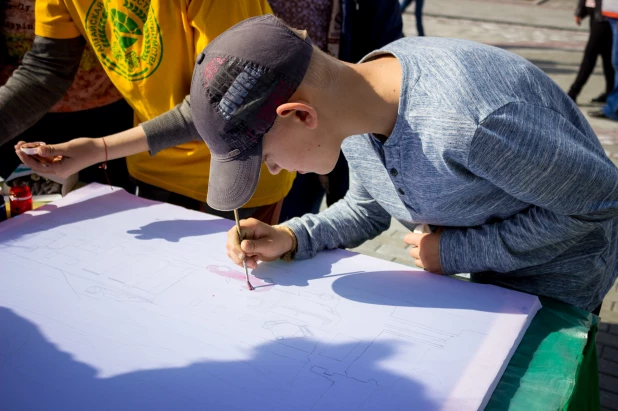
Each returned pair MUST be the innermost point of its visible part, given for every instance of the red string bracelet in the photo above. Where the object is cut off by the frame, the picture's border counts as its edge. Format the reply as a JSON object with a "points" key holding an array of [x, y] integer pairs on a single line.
{"points": [[104, 165]]}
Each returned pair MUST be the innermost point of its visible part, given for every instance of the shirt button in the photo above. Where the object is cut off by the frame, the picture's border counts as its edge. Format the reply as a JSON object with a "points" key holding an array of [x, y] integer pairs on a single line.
{"points": [[401, 191], [394, 172]]}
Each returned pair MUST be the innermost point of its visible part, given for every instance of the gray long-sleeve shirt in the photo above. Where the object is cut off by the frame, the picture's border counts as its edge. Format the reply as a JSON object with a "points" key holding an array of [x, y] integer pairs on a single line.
{"points": [[45, 75], [47, 72], [489, 147]]}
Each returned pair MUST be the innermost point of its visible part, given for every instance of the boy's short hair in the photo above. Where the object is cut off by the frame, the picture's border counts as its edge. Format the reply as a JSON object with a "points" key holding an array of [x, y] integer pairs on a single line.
{"points": [[323, 68]]}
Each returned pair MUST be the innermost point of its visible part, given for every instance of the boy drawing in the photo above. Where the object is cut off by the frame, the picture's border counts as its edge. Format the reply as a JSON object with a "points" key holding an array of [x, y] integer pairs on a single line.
{"points": [[464, 137]]}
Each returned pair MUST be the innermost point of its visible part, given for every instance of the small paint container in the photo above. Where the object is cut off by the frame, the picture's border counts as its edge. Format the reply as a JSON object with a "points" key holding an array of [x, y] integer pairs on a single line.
{"points": [[31, 148], [20, 200]]}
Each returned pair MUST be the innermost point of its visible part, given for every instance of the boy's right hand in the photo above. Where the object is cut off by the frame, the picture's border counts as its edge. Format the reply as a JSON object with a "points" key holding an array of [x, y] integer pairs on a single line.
{"points": [[261, 242], [64, 159]]}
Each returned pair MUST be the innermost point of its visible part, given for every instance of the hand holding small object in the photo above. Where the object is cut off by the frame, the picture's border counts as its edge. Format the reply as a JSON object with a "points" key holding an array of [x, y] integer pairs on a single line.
{"points": [[261, 242], [32, 149], [62, 159], [68, 158]]}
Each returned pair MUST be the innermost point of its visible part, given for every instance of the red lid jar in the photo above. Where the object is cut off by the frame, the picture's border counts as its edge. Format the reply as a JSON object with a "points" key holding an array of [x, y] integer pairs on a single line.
{"points": [[20, 200]]}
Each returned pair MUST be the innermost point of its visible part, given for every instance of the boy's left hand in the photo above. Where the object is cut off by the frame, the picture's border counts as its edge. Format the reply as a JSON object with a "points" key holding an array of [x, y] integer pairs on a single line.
{"points": [[426, 250]]}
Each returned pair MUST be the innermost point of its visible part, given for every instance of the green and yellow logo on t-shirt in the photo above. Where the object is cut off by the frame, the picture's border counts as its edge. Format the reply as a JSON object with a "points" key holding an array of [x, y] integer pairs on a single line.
{"points": [[127, 36]]}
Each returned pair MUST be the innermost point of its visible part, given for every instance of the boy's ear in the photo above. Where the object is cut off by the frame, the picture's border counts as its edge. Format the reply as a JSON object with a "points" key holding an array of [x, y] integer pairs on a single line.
{"points": [[300, 112]]}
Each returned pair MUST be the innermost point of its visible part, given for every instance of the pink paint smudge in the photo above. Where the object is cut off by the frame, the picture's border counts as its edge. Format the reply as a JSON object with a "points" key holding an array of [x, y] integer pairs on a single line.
{"points": [[260, 285]]}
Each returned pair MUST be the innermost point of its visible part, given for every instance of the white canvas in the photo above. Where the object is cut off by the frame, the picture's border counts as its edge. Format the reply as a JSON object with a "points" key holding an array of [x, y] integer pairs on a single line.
{"points": [[108, 301]]}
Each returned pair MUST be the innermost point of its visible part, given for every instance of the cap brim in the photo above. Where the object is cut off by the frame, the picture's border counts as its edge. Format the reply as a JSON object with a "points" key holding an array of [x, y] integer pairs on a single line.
{"points": [[232, 182]]}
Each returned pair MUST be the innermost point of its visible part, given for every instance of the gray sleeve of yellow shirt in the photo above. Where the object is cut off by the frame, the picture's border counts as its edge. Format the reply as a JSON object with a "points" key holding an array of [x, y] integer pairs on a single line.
{"points": [[171, 128], [46, 73]]}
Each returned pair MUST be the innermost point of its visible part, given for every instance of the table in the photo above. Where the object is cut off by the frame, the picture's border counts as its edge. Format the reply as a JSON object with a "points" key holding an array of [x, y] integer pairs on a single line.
{"points": [[554, 367]]}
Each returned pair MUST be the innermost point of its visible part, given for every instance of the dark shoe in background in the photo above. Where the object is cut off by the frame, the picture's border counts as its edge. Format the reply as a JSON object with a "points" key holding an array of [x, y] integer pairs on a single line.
{"points": [[601, 99]]}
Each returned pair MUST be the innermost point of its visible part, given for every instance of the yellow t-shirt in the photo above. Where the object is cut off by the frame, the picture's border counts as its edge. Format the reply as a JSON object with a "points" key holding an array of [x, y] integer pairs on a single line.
{"points": [[148, 48]]}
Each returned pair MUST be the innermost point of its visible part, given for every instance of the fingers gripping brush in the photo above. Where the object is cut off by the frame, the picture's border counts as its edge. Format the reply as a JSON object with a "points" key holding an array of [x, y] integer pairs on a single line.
{"points": [[244, 260]]}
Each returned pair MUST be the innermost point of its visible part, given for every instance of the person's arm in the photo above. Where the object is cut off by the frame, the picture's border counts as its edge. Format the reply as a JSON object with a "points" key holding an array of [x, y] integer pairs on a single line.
{"points": [[539, 157], [44, 76], [68, 158], [167, 130], [348, 223]]}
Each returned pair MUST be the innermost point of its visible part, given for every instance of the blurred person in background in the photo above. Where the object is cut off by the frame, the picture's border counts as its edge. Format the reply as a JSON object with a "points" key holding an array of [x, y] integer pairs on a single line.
{"points": [[92, 106], [610, 111], [348, 30], [418, 13], [599, 44]]}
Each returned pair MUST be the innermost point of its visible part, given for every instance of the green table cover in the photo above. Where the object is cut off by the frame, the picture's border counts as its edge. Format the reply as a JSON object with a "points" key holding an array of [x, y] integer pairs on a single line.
{"points": [[555, 366]]}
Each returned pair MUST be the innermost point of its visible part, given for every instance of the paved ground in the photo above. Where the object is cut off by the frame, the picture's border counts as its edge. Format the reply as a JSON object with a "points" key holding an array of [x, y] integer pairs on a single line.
{"points": [[547, 36]]}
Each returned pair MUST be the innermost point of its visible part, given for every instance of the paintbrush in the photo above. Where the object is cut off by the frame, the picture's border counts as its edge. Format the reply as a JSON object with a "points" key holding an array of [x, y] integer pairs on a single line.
{"points": [[244, 260]]}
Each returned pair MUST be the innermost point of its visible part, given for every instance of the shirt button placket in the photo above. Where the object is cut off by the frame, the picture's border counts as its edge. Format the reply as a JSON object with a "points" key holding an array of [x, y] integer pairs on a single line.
{"points": [[394, 173]]}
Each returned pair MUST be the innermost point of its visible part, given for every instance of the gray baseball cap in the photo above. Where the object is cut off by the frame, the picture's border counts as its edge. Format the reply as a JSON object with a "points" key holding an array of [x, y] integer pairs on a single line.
{"points": [[239, 80]]}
